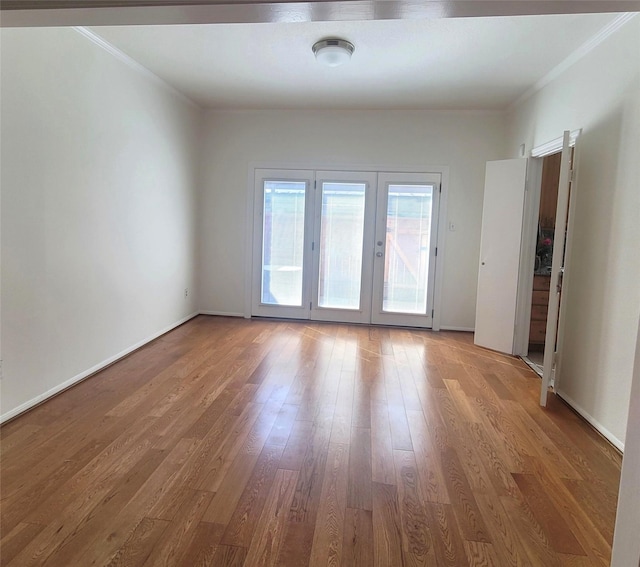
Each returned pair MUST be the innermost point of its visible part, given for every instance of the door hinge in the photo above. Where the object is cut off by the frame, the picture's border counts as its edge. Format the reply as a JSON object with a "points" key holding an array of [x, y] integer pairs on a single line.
{"points": [[432, 313], [440, 189], [313, 246], [572, 176], [310, 305], [315, 184], [436, 250]]}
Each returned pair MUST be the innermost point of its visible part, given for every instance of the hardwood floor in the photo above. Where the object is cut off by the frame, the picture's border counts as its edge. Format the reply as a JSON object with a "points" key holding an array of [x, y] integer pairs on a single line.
{"points": [[230, 442]]}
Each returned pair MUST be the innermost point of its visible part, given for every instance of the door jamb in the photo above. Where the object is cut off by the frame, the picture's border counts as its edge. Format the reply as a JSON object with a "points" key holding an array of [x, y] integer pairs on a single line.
{"points": [[442, 233], [525, 284], [527, 255]]}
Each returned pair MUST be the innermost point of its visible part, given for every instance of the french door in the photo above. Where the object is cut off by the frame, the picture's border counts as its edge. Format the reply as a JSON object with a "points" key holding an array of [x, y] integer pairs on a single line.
{"points": [[345, 246], [405, 249]]}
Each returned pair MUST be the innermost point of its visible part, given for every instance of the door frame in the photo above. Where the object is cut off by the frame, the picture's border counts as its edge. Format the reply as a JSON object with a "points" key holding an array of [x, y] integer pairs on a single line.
{"points": [[529, 240], [443, 170]]}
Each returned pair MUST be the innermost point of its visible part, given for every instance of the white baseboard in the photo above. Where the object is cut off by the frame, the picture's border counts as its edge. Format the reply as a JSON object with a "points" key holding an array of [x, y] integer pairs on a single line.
{"points": [[79, 377], [222, 313], [450, 328], [593, 422], [234, 314]]}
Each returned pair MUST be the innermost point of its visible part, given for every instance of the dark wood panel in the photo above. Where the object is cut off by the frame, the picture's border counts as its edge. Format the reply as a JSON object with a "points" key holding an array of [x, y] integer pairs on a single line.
{"points": [[540, 298], [541, 283], [537, 331], [549, 190], [539, 312]]}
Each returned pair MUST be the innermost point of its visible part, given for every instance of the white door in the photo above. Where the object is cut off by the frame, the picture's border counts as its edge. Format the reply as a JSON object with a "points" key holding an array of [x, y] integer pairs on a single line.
{"points": [[405, 249], [557, 268], [356, 247], [500, 245], [283, 231], [343, 246]]}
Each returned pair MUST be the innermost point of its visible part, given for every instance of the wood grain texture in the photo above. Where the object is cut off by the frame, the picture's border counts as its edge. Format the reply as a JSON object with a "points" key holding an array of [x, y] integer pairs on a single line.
{"points": [[481, 554], [447, 538], [357, 548], [203, 546], [417, 544], [140, 544], [16, 540], [359, 491], [381, 446], [329, 525], [270, 529], [560, 535], [241, 526], [231, 442], [387, 526], [176, 539], [466, 509]]}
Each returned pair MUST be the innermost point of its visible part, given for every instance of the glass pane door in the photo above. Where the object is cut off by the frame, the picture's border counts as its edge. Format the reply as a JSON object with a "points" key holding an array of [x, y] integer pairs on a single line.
{"points": [[405, 248], [345, 204], [340, 245], [357, 247], [283, 242], [282, 206]]}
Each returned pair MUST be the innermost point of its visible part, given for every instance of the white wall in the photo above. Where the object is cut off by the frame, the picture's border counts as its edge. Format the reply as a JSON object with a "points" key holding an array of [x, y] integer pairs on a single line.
{"points": [[98, 209], [626, 544], [234, 140], [601, 95]]}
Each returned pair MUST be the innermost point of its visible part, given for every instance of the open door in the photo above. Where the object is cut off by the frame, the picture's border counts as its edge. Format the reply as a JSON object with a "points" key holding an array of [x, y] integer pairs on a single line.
{"points": [[500, 246], [557, 268]]}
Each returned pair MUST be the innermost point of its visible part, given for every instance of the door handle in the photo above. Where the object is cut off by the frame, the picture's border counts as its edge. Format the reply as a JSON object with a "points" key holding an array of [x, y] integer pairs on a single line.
{"points": [[560, 277], [379, 254]]}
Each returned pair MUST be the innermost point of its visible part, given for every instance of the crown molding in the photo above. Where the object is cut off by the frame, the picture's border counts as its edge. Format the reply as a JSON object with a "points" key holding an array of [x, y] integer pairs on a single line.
{"points": [[133, 64], [554, 146], [574, 57]]}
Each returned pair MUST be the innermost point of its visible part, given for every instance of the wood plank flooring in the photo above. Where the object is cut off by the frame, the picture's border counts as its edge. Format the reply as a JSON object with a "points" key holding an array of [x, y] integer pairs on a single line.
{"points": [[230, 442]]}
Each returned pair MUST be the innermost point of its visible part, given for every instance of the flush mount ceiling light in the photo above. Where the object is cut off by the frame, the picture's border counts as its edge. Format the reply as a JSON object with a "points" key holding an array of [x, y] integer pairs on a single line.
{"points": [[333, 52]]}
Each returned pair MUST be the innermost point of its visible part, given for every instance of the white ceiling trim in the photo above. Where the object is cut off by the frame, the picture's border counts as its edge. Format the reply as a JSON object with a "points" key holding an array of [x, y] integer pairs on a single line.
{"points": [[36, 13], [350, 110], [133, 64], [578, 54]]}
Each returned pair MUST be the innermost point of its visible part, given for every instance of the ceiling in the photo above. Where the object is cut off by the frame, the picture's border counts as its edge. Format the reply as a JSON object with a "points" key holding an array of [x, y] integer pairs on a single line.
{"points": [[452, 63]]}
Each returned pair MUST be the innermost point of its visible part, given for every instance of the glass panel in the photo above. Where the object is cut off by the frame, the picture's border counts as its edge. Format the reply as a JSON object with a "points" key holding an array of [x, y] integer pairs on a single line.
{"points": [[283, 242], [406, 268], [341, 234]]}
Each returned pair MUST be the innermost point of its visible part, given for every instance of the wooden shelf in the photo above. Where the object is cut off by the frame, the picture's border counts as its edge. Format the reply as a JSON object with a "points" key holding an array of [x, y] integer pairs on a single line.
{"points": [[539, 306]]}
